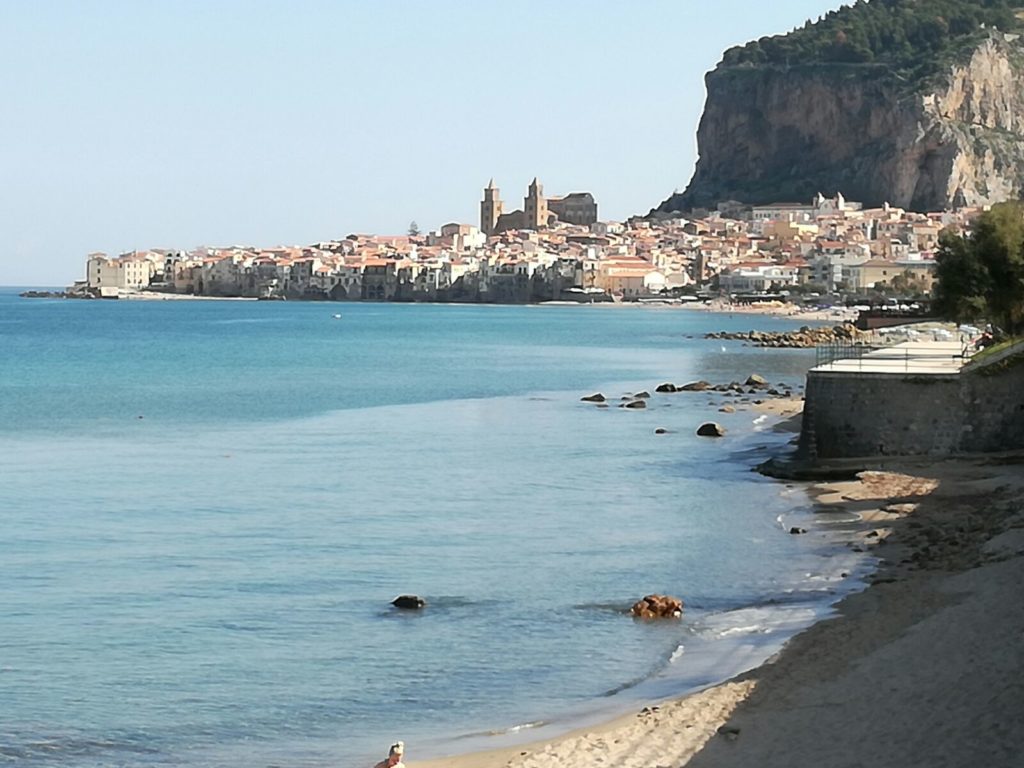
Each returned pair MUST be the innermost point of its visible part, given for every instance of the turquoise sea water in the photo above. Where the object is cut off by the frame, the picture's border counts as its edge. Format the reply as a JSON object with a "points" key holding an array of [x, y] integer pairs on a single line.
{"points": [[206, 507]]}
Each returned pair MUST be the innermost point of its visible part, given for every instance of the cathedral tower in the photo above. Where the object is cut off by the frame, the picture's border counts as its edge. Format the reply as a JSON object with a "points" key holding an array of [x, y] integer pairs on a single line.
{"points": [[490, 209], [535, 207]]}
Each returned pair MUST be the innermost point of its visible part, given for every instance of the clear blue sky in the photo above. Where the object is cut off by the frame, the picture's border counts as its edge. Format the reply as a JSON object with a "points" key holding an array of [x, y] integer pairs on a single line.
{"points": [[138, 124]]}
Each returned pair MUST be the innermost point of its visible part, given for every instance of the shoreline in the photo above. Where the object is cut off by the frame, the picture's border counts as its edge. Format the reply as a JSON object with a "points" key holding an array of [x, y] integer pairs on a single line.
{"points": [[946, 529], [600, 721], [718, 306]]}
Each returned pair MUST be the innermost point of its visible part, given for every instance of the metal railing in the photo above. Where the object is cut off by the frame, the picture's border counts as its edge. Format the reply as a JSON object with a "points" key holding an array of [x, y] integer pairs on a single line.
{"points": [[842, 350], [891, 358]]}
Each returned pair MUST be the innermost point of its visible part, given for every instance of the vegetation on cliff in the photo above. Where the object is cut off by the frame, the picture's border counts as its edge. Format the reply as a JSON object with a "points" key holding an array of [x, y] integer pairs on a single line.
{"points": [[981, 275], [914, 38]]}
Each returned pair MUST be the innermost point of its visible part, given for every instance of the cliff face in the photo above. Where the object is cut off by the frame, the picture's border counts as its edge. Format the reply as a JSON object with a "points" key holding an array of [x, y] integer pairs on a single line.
{"points": [[782, 134]]}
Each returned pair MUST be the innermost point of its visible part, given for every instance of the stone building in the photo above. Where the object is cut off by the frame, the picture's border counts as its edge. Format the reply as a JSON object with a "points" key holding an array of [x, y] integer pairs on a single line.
{"points": [[538, 211]]}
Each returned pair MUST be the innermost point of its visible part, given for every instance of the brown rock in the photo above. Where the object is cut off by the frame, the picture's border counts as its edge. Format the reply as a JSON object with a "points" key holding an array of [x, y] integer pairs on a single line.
{"points": [[657, 607]]}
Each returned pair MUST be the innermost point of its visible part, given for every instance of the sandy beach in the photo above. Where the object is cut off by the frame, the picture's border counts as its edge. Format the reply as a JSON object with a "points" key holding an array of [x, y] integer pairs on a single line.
{"points": [[777, 309], [924, 667]]}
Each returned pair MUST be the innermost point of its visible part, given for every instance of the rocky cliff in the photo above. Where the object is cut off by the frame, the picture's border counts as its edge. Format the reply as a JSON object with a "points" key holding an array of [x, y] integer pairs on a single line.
{"points": [[782, 133]]}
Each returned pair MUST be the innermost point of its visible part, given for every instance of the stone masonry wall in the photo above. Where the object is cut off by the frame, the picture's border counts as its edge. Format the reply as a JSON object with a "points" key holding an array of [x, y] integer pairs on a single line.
{"points": [[860, 415]]}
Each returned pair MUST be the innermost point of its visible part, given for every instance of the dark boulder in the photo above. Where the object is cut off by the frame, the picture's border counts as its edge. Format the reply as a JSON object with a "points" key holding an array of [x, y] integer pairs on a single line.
{"points": [[710, 429], [695, 386], [666, 387], [597, 397], [409, 602]]}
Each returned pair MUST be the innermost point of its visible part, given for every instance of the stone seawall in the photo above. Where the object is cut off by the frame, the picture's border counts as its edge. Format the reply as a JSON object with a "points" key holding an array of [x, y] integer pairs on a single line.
{"points": [[852, 415]]}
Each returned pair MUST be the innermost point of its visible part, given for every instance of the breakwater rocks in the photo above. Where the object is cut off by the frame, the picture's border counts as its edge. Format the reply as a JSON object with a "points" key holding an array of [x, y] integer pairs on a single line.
{"points": [[806, 336], [43, 295]]}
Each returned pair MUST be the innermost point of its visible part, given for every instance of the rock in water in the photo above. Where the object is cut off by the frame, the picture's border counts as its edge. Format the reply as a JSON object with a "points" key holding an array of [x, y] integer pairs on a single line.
{"points": [[657, 607], [711, 429], [409, 602], [666, 387], [634, 404], [597, 397]]}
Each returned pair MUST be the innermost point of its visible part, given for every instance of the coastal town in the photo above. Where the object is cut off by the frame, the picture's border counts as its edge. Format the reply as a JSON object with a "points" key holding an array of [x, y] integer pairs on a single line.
{"points": [[558, 249]]}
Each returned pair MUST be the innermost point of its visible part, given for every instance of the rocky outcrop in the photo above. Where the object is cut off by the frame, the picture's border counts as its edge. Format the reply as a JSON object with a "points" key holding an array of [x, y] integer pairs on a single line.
{"points": [[783, 133]]}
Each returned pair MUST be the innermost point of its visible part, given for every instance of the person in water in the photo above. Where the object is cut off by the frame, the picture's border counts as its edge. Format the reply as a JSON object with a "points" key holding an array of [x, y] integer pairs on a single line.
{"points": [[394, 758]]}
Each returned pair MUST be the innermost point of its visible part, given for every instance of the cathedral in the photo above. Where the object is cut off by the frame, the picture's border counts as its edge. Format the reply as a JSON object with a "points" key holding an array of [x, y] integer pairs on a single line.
{"points": [[538, 212]]}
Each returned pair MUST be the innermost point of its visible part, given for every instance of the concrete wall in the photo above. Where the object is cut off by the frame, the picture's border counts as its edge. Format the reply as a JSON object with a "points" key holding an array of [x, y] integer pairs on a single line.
{"points": [[849, 415]]}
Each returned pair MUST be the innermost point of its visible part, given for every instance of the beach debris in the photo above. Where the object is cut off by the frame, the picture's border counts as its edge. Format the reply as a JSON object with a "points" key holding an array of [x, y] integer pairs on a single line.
{"points": [[657, 607], [666, 387], [634, 404], [409, 602], [597, 397], [695, 386], [710, 429]]}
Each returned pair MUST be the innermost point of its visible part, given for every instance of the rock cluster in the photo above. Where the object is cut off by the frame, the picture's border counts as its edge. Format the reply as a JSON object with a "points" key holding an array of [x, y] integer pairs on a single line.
{"points": [[657, 607], [42, 294], [805, 337]]}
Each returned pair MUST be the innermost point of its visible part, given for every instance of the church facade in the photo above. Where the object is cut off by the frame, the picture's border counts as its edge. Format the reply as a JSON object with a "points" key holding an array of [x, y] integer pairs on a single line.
{"points": [[538, 211]]}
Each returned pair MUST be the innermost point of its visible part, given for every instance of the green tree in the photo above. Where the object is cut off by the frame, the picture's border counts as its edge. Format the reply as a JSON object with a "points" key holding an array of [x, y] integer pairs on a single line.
{"points": [[414, 229], [981, 275]]}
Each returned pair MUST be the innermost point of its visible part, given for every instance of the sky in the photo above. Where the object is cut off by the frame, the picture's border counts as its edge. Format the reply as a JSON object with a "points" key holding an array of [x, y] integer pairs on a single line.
{"points": [[145, 124]]}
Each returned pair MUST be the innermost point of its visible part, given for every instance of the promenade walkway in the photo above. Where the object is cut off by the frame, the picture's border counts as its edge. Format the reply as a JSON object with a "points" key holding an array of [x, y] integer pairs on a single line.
{"points": [[922, 358]]}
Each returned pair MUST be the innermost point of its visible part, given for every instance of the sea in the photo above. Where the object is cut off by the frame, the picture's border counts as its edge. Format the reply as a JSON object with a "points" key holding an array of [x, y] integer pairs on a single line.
{"points": [[207, 507]]}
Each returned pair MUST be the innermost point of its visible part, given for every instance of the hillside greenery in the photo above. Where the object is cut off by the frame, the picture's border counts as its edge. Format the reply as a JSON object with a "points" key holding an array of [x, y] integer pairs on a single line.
{"points": [[912, 38]]}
